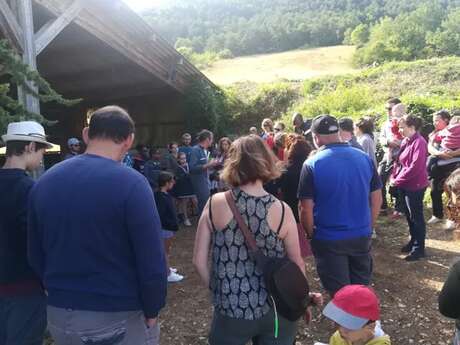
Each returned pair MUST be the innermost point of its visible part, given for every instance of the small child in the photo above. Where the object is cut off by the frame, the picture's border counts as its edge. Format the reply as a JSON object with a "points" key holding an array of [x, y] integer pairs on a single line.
{"points": [[168, 217], [445, 140], [183, 190], [355, 309]]}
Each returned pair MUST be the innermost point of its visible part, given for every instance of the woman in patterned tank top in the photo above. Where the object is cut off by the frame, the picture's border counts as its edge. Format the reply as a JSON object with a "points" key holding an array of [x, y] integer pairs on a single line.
{"points": [[242, 309]]}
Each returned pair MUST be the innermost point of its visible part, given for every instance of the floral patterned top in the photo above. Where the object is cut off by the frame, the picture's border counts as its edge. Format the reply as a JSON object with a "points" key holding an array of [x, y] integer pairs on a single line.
{"points": [[237, 285]]}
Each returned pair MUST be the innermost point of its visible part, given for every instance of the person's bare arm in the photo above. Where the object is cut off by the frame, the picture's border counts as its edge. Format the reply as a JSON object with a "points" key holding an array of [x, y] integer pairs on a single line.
{"points": [[376, 204], [306, 216], [202, 246], [433, 150], [452, 154], [291, 239]]}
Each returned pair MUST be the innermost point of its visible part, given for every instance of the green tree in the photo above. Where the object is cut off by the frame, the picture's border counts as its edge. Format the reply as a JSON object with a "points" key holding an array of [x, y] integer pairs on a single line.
{"points": [[446, 40], [360, 35], [14, 72]]}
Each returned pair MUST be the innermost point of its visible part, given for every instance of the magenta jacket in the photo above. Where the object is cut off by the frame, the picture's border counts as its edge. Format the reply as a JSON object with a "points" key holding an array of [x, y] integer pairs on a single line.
{"points": [[410, 171]]}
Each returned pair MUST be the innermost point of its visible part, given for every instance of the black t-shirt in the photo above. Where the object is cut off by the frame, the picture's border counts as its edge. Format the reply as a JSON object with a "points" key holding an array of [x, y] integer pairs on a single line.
{"points": [[15, 186], [289, 186], [449, 298]]}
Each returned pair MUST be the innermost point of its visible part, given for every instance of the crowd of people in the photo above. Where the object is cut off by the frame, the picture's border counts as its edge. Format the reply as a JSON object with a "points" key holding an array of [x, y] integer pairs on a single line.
{"points": [[87, 247]]}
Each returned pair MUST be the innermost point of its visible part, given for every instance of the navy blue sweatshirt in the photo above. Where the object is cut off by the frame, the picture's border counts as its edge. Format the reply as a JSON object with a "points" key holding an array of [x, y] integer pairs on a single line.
{"points": [[94, 237], [167, 211], [15, 273]]}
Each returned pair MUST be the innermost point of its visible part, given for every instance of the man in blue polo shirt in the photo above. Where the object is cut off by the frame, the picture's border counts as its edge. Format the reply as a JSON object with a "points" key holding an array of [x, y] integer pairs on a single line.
{"points": [[340, 198]]}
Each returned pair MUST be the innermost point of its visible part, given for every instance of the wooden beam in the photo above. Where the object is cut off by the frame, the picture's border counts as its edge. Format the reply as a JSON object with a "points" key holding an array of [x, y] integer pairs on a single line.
{"points": [[10, 26], [50, 30], [26, 20]]}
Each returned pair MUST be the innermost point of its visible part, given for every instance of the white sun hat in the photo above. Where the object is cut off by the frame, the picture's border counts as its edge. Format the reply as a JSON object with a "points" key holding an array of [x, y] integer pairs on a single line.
{"points": [[26, 131]]}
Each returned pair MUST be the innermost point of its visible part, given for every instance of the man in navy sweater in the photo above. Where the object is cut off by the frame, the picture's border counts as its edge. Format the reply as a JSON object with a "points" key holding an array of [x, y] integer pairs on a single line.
{"points": [[94, 239]]}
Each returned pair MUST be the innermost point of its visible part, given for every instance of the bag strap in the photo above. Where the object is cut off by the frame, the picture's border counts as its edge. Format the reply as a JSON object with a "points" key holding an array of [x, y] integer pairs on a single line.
{"points": [[248, 236], [282, 218], [210, 214]]}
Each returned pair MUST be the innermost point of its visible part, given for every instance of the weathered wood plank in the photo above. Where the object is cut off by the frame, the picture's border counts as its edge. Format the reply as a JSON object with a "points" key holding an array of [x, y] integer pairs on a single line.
{"points": [[123, 30], [10, 26], [51, 29], [26, 21]]}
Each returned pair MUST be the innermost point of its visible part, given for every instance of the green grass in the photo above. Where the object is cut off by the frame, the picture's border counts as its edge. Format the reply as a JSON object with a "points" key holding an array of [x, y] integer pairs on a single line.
{"points": [[425, 85], [291, 65]]}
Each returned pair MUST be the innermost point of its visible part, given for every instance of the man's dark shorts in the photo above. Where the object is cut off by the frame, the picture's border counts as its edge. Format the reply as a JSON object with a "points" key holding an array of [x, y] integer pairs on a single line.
{"points": [[343, 262]]}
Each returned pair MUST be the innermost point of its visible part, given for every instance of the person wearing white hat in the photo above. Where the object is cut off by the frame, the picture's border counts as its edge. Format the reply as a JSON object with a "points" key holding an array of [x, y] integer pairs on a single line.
{"points": [[22, 299]]}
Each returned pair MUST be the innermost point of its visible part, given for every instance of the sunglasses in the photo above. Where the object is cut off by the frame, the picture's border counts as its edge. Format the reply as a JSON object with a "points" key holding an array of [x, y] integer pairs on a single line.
{"points": [[278, 129]]}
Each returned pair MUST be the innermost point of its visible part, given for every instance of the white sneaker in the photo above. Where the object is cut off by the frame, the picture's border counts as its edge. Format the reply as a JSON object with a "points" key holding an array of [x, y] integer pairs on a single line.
{"points": [[434, 220], [374, 234], [450, 225], [174, 277], [172, 270], [187, 222]]}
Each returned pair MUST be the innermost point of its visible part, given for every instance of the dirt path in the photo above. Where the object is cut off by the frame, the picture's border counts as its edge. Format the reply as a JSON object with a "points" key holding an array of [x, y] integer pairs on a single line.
{"points": [[408, 292]]}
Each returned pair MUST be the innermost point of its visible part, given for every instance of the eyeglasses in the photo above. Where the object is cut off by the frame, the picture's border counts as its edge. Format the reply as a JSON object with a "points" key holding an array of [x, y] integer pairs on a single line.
{"points": [[278, 129]]}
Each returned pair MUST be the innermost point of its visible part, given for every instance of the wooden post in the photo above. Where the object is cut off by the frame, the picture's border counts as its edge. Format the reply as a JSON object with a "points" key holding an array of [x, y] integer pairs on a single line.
{"points": [[31, 102], [26, 21]]}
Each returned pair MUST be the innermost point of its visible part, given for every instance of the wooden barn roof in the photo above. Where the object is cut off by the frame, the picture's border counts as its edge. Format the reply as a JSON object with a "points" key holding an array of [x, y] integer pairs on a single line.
{"points": [[106, 50]]}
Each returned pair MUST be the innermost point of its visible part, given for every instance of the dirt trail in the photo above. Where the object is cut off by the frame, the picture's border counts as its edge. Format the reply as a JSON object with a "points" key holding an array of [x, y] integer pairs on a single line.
{"points": [[408, 292]]}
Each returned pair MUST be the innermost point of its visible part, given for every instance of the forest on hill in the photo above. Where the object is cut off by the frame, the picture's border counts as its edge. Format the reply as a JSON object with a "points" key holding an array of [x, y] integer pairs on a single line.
{"points": [[382, 29]]}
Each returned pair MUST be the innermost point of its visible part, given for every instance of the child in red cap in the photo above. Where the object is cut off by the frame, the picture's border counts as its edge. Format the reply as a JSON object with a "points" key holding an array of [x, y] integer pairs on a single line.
{"points": [[355, 309]]}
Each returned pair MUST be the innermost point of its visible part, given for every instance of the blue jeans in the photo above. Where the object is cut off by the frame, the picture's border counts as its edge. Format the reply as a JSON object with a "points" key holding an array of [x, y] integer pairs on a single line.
{"points": [[415, 219], [22, 320], [202, 192]]}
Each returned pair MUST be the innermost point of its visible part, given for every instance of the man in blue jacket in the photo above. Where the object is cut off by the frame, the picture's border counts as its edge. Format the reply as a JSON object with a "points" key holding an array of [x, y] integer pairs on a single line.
{"points": [[200, 164], [94, 239]]}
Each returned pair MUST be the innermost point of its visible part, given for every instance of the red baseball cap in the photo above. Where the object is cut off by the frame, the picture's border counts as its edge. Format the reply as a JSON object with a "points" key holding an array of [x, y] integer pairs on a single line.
{"points": [[353, 306]]}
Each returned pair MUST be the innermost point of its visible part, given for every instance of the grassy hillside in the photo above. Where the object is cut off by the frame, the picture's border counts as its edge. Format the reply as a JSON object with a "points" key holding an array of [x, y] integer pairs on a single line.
{"points": [[425, 85], [292, 65]]}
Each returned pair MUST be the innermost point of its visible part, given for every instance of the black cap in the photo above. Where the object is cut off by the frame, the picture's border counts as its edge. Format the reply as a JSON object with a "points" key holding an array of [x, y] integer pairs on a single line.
{"points": [[324, 124]]}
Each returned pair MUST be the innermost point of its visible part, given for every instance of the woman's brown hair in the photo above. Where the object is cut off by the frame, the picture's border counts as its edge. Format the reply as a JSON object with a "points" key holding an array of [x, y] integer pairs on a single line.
{"points": [[249, 160], [299, 151], [223, 140], [267, 123], [366, 125], [413, 121]]}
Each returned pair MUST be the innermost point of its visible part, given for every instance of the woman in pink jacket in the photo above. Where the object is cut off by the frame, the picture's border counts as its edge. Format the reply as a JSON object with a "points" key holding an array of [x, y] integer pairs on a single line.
{"points": [[410, 176]]}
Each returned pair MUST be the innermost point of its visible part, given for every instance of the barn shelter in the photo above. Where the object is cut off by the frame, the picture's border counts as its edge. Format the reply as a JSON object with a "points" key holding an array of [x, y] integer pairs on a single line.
{"points": [[105, 53]]}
